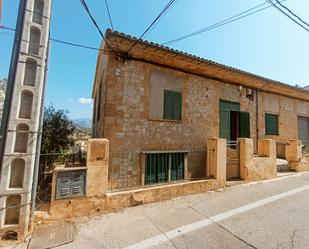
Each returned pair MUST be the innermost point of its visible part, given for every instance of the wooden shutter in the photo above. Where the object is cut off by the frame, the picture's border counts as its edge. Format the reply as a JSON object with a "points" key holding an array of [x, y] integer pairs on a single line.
{"points": [[177, 104], [168, 105], [172, 105], [244, 124], [150, 172], [177, 166], [271, 124]]}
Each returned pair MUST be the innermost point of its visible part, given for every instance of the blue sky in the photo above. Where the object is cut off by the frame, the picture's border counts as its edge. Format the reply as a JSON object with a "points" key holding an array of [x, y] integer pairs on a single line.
{"points": [[266, 43]]}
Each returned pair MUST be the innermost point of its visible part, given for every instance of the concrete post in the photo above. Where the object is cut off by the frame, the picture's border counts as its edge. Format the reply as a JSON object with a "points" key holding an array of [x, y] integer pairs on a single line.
{"points": [[245, 156], [23, 112], [263, 166], [293, 150], [97, 167], [216, 158], [267, 148]]}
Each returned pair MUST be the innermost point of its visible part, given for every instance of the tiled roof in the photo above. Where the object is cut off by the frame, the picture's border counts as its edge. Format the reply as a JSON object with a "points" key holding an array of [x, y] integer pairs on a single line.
{"points": [[200, 59]]}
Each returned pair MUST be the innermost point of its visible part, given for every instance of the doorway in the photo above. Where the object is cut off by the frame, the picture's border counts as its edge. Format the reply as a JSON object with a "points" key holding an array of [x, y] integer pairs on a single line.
{"points": [[233, 124], [303, 132]]}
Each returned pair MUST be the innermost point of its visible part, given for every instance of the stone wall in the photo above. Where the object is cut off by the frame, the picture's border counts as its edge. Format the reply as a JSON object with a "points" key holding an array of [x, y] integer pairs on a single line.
{"points": [[130, 127], [263, 166]]}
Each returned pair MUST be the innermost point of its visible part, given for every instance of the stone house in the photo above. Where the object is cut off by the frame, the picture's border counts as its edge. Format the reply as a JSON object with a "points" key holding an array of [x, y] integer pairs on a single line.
{"points": [[158, 106]]}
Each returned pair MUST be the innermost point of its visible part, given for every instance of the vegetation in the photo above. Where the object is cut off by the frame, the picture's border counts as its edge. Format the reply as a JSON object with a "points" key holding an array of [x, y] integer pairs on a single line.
{"points": [[58, 131]]}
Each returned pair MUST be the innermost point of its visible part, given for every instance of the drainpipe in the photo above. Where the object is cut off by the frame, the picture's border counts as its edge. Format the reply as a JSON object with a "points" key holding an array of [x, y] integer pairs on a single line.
{"points": [[257, 117]]}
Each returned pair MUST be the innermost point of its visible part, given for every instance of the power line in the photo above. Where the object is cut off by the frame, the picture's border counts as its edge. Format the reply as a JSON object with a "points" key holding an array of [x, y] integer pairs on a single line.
{"points": [[231, 19], [287, 15], [59, 41], [146, 32], [291, 12], [109, 15], [95, 24], [111, 22]]}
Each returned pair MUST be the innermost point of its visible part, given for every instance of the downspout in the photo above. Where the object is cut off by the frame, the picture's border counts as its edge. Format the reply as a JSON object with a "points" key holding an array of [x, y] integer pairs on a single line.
{"points": [[257, 118]]}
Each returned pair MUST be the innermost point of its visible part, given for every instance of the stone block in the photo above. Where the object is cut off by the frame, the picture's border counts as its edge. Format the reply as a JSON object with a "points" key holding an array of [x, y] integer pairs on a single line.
{"points": [[293, 150], [267, 148], [97, 167], [216, 158], [257, 168]]}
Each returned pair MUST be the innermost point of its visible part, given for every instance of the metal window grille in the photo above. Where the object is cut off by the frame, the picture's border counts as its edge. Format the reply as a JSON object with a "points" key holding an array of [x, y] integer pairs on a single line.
{"points": [[164, 167]]}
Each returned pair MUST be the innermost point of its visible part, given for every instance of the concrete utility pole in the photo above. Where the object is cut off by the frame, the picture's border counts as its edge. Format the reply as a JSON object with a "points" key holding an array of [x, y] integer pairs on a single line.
{"points": [[22, 117]]}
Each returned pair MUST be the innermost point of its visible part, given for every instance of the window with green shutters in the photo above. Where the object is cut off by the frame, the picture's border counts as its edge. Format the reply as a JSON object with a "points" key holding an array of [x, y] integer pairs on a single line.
{"points": [[164, 167], [172, 105], [271, 124]]}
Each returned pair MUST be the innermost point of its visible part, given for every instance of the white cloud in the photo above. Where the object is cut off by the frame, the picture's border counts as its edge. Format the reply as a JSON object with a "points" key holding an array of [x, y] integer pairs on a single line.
{"points": [[85, 101]]}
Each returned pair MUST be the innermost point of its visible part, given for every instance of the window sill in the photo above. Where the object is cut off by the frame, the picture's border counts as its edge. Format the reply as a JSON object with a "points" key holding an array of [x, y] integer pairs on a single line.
{"points": [[166, 120]]}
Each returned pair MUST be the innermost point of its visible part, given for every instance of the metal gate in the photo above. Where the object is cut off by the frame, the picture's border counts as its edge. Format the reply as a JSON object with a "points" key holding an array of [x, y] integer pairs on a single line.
{"points": [[232, 160]]}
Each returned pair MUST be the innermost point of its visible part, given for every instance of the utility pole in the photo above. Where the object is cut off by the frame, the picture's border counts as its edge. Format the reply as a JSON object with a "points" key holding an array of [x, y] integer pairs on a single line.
{"points": [[21, 126]]}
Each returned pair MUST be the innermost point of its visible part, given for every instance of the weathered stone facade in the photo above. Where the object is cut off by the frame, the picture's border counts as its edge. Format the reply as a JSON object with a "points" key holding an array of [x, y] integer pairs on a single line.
{"points": [[130, 106]]}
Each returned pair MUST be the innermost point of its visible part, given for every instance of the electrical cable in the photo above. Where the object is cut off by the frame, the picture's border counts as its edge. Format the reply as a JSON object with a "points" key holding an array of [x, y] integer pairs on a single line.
{"points": [[111, 22], [60, 41], [95, 24], [292, 13], [231, 19], [287, 15], [146, 32]]}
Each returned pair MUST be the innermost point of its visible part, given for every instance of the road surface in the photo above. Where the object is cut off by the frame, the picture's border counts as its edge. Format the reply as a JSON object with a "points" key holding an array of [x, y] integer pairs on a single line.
{"points": [[268, 214]]}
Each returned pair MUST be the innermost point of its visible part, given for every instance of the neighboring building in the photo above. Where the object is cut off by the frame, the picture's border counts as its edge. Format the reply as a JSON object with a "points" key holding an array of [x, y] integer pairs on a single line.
{"points": [[306, 88], [158, 106], [22, 116], [3, 84]]}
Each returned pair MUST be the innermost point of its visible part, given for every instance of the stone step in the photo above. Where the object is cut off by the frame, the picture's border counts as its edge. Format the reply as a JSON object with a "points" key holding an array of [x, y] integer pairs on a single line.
{"points": [[282, 165]]}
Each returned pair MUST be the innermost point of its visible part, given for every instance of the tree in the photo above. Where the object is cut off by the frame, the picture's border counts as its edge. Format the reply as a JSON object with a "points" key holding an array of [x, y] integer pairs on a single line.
{"points": [[58, 131], [3, 84]]}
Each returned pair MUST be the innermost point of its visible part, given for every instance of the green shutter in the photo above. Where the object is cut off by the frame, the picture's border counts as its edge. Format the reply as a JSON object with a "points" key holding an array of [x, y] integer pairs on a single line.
{"points": [[157, 167], [271, 124], [177, 103], [150, 174], [225, 118], [172, 105], [244, 124]]}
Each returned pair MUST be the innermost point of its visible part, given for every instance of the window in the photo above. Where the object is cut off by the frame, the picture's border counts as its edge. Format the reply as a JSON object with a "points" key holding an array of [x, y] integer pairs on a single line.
{"points": [[34, 41], [38, 11], [26, 100], [17, 173], [99, 103], [164, 167], [271, 124], [172, 105], [30, 72], [21, 141], [12, 210]]}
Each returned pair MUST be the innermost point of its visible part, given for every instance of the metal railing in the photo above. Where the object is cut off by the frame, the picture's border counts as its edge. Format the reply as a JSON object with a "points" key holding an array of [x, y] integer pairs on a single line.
{"points": [[232, 144], [71, 159]]}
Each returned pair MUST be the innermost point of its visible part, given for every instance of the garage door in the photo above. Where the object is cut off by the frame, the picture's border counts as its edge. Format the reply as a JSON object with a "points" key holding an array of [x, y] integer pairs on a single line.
{"points": [[303, 130]]}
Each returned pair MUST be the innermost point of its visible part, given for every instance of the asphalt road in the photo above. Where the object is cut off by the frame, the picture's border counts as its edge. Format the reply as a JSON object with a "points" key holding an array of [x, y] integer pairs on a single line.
{"points": [[269, 214]]}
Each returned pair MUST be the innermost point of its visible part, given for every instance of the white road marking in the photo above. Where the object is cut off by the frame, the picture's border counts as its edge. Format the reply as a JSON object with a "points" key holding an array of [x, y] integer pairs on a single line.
{"points": [[159, 239]]}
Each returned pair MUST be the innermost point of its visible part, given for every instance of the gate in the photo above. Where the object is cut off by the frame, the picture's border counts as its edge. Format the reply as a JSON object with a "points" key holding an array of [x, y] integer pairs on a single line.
{"points": [[232, 160]]}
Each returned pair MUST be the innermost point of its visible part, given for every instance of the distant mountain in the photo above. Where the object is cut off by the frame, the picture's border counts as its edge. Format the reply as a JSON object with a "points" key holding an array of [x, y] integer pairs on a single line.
{"points": [[83, 122]]}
